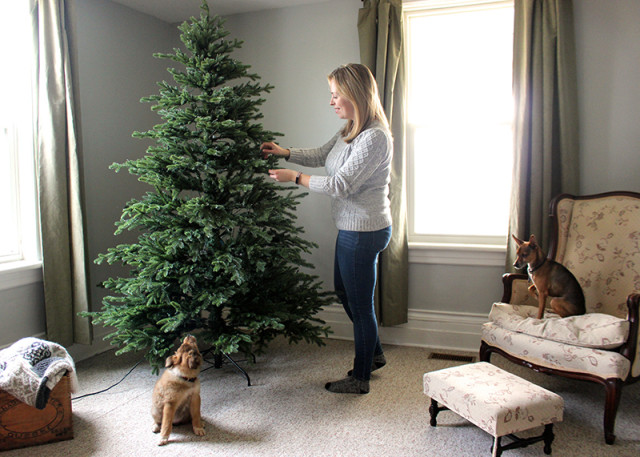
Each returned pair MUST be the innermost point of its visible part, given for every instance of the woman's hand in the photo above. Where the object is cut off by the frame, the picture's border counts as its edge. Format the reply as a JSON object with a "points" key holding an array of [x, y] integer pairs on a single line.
{"points": [[283, 175], [272, 148]]}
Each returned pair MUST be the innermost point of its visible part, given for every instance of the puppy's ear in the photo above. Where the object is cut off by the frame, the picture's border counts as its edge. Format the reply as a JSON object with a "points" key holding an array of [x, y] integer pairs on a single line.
{"points": [[532, 240], [194, 361], [171, 361], [519, 242]]}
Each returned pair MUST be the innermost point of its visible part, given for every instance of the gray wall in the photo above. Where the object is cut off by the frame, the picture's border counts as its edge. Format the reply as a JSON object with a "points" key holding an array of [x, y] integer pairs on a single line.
{"points": [[113, 68], [113, 50], [608, 56], [293, 49]]}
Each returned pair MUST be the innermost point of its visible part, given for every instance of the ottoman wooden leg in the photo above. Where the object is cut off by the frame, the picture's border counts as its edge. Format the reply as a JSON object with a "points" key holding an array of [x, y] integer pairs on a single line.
{"points": [[496, 449], [434, 410], [548, 436]]}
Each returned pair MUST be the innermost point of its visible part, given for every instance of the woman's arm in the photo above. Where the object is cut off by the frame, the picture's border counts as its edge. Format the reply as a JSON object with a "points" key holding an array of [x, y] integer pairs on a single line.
{"points": [[313, 157], [286, 175], [370, 150]]}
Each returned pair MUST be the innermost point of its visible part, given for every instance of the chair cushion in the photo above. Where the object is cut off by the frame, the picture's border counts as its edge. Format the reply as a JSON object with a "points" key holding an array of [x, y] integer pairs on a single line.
{"points": [[551, 354], [591, 330]]}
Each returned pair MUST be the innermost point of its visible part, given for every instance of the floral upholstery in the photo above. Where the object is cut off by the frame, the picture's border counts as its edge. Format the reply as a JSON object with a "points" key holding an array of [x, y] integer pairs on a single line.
{"points": [[498, 402], [599, 241], [551, 354], [591, 330], [597, 238]]}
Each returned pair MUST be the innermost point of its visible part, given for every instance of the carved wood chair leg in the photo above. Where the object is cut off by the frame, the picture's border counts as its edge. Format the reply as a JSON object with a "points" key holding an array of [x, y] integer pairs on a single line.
{"points": [[613, 389], [485, 353]]}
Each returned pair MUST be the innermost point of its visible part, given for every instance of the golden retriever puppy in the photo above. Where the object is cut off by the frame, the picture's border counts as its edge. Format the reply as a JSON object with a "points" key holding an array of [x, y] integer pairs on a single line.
{"points": [[176, 395]]}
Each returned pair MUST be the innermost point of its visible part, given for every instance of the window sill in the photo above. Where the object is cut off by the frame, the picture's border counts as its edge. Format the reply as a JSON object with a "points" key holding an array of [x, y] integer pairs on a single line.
{"points": [[18, 274], [457, 254]]}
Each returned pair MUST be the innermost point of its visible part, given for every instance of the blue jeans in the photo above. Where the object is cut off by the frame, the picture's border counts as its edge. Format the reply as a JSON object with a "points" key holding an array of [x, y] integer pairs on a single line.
{"points": [[356, 262]]}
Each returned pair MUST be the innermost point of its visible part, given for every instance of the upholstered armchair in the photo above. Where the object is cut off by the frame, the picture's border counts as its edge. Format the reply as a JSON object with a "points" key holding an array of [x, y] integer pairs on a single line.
{"points": [[597, 237]]}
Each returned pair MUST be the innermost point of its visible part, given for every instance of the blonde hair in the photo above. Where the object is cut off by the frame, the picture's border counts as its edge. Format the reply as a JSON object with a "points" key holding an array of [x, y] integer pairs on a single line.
{"points": [[355, 82]]}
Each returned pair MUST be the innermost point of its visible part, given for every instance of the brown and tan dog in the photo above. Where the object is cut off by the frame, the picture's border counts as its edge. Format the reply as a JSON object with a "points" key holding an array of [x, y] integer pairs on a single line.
{"points": [[549, 279], [176, 395]]}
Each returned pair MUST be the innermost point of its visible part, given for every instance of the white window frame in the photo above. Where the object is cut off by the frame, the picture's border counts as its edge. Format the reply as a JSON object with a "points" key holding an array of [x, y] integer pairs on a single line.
{"points": [[448, 249], [22, 193], [24, 265]]}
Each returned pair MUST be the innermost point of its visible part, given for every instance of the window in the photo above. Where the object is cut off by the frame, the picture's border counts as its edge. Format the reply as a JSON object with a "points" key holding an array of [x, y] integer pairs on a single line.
{"points": [[18, 231], [459, 120]]}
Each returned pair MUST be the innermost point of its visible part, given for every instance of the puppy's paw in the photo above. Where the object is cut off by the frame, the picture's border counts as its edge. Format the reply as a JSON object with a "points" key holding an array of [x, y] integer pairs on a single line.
{"points": [[199, 431], [156, 428], [163, 441]]}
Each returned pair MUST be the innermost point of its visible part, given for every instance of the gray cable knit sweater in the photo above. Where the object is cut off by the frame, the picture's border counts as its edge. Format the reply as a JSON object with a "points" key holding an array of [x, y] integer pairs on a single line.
{"points": [[358, 177]]}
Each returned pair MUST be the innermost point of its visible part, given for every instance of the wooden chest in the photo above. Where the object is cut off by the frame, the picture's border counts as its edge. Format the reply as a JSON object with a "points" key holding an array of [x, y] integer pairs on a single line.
{"points": [[22, 425]]}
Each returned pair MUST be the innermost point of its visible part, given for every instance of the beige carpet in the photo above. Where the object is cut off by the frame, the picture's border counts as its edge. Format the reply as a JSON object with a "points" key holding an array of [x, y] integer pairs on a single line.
{"points": [[287, 412]]}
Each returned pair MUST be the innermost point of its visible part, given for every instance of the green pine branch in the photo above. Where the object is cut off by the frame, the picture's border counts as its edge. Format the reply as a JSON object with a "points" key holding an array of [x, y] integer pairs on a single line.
{"points": [[218, 252]]}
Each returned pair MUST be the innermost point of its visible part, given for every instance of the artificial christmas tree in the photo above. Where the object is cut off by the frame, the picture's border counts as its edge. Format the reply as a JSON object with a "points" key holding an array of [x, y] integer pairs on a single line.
{"points": [[218, 254]]}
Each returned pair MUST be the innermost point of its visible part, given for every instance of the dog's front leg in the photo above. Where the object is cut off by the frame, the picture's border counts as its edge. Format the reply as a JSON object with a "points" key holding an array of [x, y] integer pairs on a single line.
{"points": [[542, 302], [168, 411], [196, 420]]}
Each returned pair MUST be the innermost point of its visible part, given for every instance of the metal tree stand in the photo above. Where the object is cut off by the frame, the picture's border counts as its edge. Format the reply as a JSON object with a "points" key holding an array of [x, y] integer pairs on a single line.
{"points": [[218, 362]]}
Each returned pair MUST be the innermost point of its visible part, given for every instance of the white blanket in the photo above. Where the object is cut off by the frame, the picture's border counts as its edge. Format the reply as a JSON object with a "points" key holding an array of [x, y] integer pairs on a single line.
{"points": [[31, 368]]}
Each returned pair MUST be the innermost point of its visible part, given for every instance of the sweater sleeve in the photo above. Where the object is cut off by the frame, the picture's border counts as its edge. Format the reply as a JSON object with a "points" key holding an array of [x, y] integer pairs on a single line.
{"points": [[313, 157], [369, 150]]}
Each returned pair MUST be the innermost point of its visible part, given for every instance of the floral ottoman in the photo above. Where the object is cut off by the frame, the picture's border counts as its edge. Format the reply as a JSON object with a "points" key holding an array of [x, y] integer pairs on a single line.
{"points": [[498, 402]]}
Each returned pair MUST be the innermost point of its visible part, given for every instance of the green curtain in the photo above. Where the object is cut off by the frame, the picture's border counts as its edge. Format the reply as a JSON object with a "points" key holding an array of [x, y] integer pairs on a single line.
{"points": [[382, 50], [59, 185], [546, 121]]}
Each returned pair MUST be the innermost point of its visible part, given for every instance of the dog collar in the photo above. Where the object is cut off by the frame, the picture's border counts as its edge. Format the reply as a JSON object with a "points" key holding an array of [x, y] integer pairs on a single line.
{"points": [[174, 371], [531, 270]]}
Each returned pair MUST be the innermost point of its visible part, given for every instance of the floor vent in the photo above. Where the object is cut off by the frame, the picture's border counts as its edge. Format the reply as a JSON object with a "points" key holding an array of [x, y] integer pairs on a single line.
{"points": [[452, 357]]}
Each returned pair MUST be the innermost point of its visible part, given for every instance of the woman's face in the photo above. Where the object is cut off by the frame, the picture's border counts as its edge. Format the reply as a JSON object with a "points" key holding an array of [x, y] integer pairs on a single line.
{"points": [[343, 107]]}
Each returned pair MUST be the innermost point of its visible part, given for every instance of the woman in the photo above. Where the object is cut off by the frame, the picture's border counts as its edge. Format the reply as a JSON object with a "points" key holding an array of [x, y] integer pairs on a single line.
{"points": [[358, 164]]}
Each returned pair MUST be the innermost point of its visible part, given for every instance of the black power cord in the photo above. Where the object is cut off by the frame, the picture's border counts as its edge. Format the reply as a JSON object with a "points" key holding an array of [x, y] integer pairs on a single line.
{"points": [[111, 387], [213, 365]]}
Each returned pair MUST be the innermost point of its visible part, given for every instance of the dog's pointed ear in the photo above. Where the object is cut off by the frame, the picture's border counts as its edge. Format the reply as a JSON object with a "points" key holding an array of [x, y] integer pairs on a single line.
{"points": [[532, 240], [519, 242]]}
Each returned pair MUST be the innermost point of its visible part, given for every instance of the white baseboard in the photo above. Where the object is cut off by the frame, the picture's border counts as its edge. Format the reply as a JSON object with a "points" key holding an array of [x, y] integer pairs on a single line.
{"points": [[84, 351], [433, 329]]}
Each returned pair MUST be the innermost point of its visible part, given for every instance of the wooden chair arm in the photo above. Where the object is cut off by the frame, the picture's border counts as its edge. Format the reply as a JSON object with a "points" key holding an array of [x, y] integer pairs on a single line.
{"points": [[630, 348], [508, 280]]}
